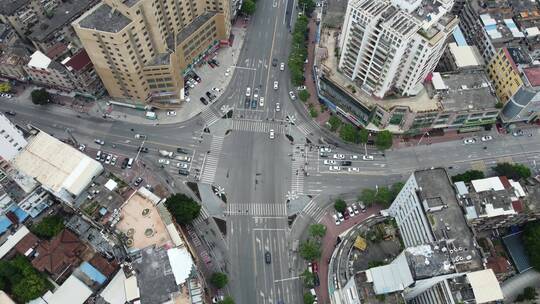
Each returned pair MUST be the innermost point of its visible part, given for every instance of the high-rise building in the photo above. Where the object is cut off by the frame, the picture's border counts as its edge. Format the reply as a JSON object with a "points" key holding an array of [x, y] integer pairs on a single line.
{"points": [[392, 46], [12, 140], [142, 48]]}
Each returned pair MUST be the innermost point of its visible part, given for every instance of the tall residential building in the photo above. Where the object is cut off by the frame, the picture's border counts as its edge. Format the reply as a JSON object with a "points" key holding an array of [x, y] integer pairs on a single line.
{"points": [[11, 139], [142, 48], [391, 46]]}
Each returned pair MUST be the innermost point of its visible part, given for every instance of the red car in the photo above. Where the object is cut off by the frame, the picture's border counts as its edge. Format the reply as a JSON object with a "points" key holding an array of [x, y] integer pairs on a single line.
{"points": [[346, 214], [314, 267]]}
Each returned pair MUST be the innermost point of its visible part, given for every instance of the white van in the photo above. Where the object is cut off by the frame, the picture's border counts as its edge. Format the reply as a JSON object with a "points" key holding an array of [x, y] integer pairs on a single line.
{"points": [[98, 155], [130, 163]]}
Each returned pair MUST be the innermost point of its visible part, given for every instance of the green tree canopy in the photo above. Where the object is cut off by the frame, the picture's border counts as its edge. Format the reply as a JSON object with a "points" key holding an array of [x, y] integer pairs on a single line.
{"points": [[513, 171], [49, 226], [183, 208], [363, 136], [317, 230], [22, 280], [303, 95], [310, 250], [340, 205], [248, 7], [40, 97], [468, 176], [384, 196], [308, 279], [308, 298], [531, 240], [384, 140], [528, 294], [219, 280], [5, 87], [334, 122], [307, 5], [349, 133], [226, 300]]}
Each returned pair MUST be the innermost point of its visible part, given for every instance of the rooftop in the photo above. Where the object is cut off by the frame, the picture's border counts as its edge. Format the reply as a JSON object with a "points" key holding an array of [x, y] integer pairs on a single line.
{"points": [[103, 18], [39, 60], [78, 61], [62, 15], [194, 26], [9, 7], [467, 90], [446, 218], [72, 291]]}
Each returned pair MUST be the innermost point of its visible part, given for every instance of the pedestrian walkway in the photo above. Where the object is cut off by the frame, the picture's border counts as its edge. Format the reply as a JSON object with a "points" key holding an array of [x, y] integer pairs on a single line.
{"points": [[257, 209], [203, 216], [209, 117], [258, 126], [314, 211], [211, 162], [297, 169], [306, 128]]}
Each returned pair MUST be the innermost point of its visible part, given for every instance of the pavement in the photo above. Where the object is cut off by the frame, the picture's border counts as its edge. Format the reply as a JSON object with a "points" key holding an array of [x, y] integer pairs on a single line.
{"points": [[512, 287]]}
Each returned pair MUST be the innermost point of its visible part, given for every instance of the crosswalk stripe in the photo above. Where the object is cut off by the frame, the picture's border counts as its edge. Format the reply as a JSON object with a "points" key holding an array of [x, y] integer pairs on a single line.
{"points": [[212, 160], [257, 126], [297, 175], [257, 209]]}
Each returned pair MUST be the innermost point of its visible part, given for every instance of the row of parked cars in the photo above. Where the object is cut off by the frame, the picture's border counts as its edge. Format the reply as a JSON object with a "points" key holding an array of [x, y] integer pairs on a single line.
{"points": [[6, 95], [351, 211]]}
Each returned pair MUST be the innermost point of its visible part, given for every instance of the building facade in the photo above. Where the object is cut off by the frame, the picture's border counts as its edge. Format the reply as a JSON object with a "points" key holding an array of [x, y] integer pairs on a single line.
{"points": [[391, 46], [142, 48], [11, 139]]}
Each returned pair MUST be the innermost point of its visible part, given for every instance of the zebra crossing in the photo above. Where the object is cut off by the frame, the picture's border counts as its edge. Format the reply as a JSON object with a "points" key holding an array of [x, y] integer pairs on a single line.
{"points": [[314, 211], [209, 117], [257, 209], [297, 170], [203, 216], [306, 128], [211, 162], [257, 126]]}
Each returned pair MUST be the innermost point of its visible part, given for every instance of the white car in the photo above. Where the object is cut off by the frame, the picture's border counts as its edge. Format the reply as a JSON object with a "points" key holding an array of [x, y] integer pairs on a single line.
{"points": [[216, 90], [108, 159], [367, 157], [277, 107], [163, 161], [248, 91], [487, 138], [171, 113], [351, 211], [353, 169], [99, 142], [354, 156], [340, 217], [355, 208], [182, 165], [339, 156], [282, 66], [468, 141], [6, 95], [291, 94], [256, 94], [329, 162], [82, 147], [325, 150], [227, 72], [301, 88], [261, 101], [275, 85], [336, 219], [272, 134], [334, 168]]}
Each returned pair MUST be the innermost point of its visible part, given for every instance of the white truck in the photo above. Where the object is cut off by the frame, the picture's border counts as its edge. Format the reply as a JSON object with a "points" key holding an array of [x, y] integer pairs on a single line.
{"points": [[183, 158], [165, 153]]}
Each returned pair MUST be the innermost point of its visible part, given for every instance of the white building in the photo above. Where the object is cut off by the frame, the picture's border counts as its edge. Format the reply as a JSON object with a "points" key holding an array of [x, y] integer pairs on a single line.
{"points": [[11, 139], [393, 45]]}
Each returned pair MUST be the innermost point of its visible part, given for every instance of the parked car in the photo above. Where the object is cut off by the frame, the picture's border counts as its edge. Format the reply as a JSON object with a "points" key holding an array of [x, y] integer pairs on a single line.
{"points": [[261, 101], [138, 181], [180, 150], [336, 219], [248, 92], [171, 113], [183, 172], [163, 161], [203, 100], [355, 209], [124, 163], [350, 211], [367, 157], [486, 138], [469, 141], [291, 94], [282, 66]]}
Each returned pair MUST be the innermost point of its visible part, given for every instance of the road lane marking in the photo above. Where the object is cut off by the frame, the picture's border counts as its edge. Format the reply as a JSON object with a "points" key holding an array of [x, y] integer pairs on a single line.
{"points": [[269, 229], [286, 279]]}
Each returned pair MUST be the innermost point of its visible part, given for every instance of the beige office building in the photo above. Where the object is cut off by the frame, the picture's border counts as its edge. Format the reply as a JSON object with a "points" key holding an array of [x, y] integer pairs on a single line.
{"points": [[142, 48]]}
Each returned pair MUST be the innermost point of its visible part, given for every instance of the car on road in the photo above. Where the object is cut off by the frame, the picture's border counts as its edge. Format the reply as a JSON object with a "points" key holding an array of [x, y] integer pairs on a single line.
{"points": [[272, 134], [346, 163], [355, 209], [182, 165], [164, 161], [171, 113], [267, 257], [138, 181], [350, 211], [11, 113], [334, 168], [143, 149], [180, 150], [282, 66], [277, 107], [183, 158], [183, 172], [275, 85], [216, 90], [274, 62], [367, 157], [325, 150], [486, 138], [203, 100], [468, 141], [113, 160], [108, 159], [99, 141], [248, 91], [336, 219], [323, 155], [291, 94], [518, 133], [339, 156], [353, 169], [329, 162], [261, 101], [354, 156], [210, 96], [6, 95]]}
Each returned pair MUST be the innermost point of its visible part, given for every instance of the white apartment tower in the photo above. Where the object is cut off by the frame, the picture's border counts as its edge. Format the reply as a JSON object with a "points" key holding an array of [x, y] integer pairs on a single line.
{"points": [[11, 139], [393, 45]]}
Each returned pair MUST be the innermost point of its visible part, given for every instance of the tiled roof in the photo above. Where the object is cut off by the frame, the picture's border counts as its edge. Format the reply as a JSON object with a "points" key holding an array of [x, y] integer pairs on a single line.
{"points": [[78, 61], [61, 252], [56, 50], [27, 242], [104, 266]]}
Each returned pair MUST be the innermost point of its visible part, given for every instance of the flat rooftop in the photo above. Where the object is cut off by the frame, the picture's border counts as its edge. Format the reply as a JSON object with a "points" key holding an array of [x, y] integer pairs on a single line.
{"points": [[194, 26], [467, 90], [9, 7], [448, 223], [103, 18], [426, 261], [62, 16]]}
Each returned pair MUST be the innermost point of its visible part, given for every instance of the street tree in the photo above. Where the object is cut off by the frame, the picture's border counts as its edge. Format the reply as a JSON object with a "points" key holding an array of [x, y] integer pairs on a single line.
{"points": [[310, 250], [384, 140], [468, 176], [531, 240], [317, 230], [528, 294], [48, 227], [248, 7], [396, 188], [219, 280], [5, 87], [340, 205], [368, 197], [308, 298], [334, 123], [363, 136], [183, 208], [40, 97], [513, 171], [303, 95], [308, 279], [226, 300], [349, 133]]}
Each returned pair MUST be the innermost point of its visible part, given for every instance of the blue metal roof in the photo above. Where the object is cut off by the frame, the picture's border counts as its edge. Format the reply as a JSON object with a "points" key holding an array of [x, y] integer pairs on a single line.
{"points": [[515, 247], [5, 223], [93, 273], [459, 38], [21, 214]]}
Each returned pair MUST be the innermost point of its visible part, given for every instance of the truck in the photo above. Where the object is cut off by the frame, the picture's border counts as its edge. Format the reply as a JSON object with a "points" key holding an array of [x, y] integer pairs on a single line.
{"points": [[165, 153], [183, 158]]}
